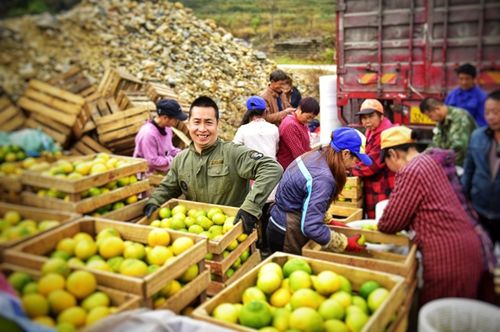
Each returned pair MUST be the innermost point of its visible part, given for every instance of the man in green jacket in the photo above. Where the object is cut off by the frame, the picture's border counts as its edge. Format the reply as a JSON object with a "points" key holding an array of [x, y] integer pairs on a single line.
{"points": [[454, 127], [217, 172]]}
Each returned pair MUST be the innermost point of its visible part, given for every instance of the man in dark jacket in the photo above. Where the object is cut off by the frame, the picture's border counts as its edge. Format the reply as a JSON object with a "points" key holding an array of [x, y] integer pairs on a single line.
{"points": [[481, 179]]}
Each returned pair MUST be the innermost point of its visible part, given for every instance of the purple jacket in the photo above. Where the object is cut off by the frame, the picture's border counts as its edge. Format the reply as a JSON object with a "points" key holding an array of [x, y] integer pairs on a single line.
{"points": [[156, 148], [308, 187]]}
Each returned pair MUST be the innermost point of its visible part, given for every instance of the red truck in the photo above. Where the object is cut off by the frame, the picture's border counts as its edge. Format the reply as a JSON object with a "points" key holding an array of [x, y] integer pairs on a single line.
{"points": [[400, 51]]}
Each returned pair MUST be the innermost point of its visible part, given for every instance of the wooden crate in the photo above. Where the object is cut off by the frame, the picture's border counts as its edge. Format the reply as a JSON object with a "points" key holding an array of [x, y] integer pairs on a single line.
{"points": [[11, 117], [129, 213], [99, 107], [37, 179], [155, 90], [181, 138], [155, 179], [31, 254], [59, 132], [117, 131], [214, 246], [497, 280], [74, 81], [216, 286], [343, 214], [403, 265], [55, 105], [219, 265], [87, 145], [377, 322], [123, 301], [131, 99], [85, 205], [352, 194], [196, 289], [35, 214], [116, 79]]}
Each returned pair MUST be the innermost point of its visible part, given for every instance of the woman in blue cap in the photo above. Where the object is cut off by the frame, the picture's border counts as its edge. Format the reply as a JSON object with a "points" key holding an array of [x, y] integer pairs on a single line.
{"points": [[305, 191]]}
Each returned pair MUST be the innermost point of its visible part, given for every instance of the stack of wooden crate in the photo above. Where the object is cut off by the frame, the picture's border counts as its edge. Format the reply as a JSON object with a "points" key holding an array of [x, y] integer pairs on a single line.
{"points": [[116, 80], [75, 199], [352, 194], [58, 112], [221, 259], [33, 254], [401, 262]]}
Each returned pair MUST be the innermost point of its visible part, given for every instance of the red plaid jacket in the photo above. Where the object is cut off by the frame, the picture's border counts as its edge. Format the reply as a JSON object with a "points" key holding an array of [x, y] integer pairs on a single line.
{"points": [[378, 180], [423, 200]]}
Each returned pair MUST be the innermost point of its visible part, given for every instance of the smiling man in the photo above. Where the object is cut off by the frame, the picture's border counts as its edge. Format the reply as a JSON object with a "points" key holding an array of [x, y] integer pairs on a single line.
{"points": [[217, 172]]}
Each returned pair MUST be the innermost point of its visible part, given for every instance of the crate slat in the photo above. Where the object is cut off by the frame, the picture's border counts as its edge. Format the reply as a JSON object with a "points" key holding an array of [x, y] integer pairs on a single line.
{"points": [[131, 213], [11, 117], [86, 145], [343, 214]]}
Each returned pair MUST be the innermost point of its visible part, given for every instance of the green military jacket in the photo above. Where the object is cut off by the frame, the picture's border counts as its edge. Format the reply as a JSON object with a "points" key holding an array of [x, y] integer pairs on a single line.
{"points": [[454, 133], [221, 175]]}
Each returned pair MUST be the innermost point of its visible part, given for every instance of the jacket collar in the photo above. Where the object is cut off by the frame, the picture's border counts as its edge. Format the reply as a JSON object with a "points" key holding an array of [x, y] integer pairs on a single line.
{"points": [[161, 130], [207, 150]]}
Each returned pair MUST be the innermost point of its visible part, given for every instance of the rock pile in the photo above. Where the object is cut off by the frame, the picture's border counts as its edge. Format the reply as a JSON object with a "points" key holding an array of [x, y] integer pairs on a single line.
{"points": [[151, 39]]}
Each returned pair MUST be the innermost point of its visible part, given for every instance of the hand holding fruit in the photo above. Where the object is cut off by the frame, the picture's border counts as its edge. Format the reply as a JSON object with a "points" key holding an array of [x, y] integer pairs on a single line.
{"points": [[356, 243], [149, 209], [247, 219]]}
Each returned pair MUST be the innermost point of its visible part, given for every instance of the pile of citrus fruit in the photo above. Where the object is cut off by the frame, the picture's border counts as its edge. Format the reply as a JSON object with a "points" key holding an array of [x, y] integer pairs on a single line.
{"points": [[291, 297], [239, 261], [211, 223], [68, 300], [14, 227], [109, 252]]}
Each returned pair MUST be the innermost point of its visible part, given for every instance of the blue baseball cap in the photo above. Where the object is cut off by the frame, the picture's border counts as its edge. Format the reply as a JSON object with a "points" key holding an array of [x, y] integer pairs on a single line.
{"points": [[171, 108], [345, 138], [256, 103]]}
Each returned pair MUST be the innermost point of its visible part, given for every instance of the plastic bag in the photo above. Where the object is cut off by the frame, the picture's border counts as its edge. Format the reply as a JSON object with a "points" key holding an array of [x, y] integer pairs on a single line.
{"points": [[32, 141]]}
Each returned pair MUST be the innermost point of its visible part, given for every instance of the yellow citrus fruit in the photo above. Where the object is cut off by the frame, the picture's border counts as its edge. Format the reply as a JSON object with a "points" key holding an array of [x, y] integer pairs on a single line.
{"points": [[190, 273], [111, 247], [133, 267], [171, 288], [305, 297], [50, 282], [81, 284], [306, 319], [56, 265], [99, 265], [98, 168], [132, 199], [85, 249], [82, 236], [75, 316], [159, 302], [67, 245], [253, 293], [96, 314], [158, 255], [269, 282], [45, 320], [35, 305], [326, 282], [19, 280], [12, 217], [299, 279], [60, 300], [158, 237], [280, 298], [97, 299], [226, 312], [182, 244]]}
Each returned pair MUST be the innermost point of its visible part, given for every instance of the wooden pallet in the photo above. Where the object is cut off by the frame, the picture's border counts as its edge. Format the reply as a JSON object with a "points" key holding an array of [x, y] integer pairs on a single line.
{"points": [[214, 246], [39, 180], [343, 214], [131, 99], [85, 205], [181, 138], [156, 90], [35, 214], [116, 79], [11, 117], [117, 131], [87, 145], [378, 321], [216, 287], [32, 254], [74, 81], [389, 262]]}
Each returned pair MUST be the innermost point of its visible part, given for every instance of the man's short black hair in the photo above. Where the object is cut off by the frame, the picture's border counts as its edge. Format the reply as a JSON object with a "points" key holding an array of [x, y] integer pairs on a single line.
{"points": [[467, 69], [495, 95], [278, 75], [429, 104], [205, 101]]}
